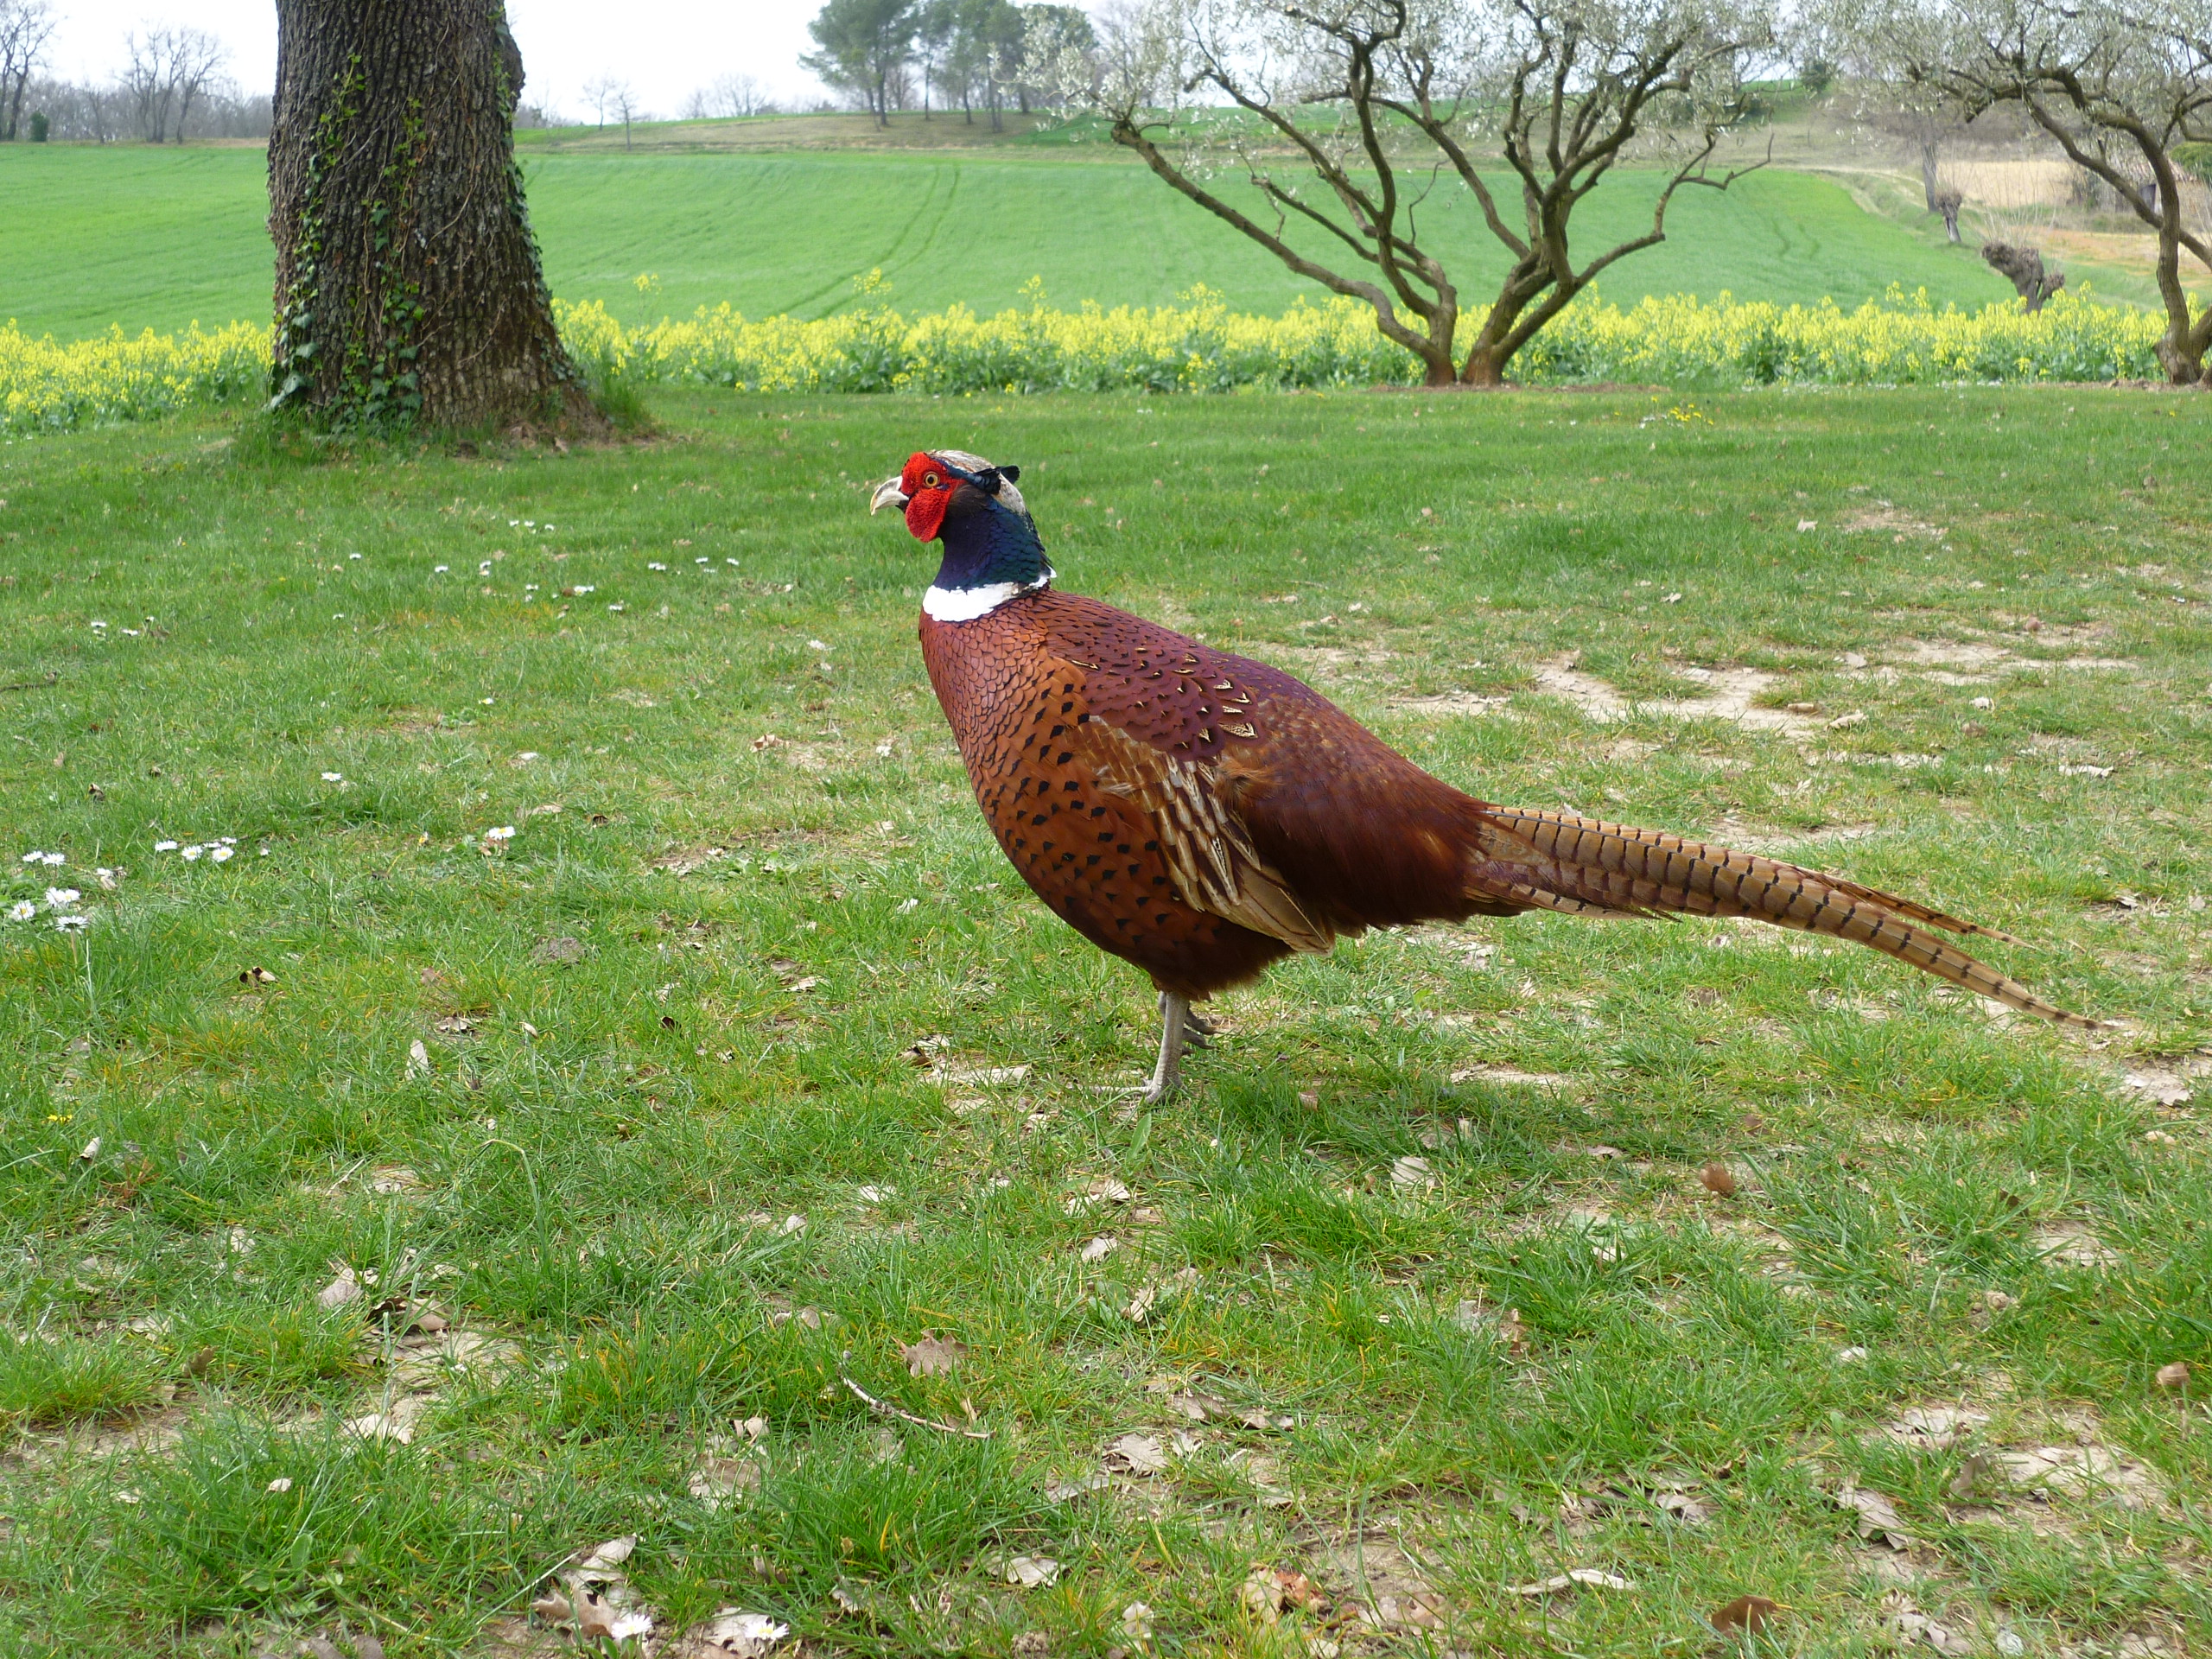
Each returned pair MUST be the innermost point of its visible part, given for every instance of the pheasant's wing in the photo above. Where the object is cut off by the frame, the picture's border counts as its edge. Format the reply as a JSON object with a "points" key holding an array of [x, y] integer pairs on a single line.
{"points": [[1210, 854]]}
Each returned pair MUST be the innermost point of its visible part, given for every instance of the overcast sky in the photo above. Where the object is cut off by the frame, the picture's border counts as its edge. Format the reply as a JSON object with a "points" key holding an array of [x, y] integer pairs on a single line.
{"points": [[663, 48]]}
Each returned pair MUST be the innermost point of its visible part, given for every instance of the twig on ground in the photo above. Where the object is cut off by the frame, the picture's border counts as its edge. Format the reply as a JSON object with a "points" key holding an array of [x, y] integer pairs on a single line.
{"points": [[884, 1408], [52, 678]]}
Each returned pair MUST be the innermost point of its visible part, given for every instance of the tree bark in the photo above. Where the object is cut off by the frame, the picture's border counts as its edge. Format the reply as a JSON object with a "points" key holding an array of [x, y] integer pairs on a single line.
{"points": [[2022, 268], [407, 281]]}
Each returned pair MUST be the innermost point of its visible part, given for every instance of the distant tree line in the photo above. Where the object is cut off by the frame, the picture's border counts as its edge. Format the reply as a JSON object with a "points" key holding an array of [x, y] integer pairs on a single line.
{"points": [[172, 88], [976, 55]]}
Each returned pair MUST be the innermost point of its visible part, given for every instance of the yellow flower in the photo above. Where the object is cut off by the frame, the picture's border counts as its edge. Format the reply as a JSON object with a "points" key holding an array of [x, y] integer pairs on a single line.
{"points": [[1198, 345]]}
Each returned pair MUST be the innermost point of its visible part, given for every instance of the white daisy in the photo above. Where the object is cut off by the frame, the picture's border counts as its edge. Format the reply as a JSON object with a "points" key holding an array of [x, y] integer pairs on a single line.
{"points": [[440, 570], [503, 832], [655, 565], [165, 846], [194, 852], [33, 857], [21, 911], [220, 855], [61, 897], [71, 924], [52, 859]]}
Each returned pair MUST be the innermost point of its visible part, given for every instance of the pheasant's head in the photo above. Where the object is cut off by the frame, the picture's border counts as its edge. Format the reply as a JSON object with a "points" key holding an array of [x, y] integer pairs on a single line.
{"points": [[991, 550], [925, 486]]}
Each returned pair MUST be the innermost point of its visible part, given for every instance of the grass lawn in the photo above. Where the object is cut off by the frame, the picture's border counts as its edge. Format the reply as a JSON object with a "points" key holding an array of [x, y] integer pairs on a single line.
{"points": [[160, 237], [746, 1069]]}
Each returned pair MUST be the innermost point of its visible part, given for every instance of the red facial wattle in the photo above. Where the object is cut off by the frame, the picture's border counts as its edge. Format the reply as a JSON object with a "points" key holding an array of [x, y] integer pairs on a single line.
{"points": [[925, 513], [929, 491]]}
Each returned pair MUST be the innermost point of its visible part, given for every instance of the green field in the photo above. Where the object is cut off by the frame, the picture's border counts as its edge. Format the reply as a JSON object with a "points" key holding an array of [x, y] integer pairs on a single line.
{"points": [[158, 237], [751, 956]]}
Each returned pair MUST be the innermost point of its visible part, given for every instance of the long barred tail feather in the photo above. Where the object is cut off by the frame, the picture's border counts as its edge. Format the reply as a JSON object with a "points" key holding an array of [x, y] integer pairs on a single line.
{"points": [[1555, 861]]}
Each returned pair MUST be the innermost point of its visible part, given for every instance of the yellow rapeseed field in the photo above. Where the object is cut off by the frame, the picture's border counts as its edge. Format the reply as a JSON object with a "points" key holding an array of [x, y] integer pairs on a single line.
{"points": [[1200, 346]]}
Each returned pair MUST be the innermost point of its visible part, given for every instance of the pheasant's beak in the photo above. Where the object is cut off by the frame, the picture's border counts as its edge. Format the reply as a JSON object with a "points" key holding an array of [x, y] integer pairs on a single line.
{"points": [[887, 494]]}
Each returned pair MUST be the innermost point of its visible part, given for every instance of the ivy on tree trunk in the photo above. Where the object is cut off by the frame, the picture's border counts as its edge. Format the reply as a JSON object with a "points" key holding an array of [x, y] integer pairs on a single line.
{"points": [[408, 281]]}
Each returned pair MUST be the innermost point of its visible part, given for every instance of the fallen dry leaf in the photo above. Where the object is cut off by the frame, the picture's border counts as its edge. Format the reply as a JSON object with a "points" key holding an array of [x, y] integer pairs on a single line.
{"points": [[1100, 1247], [2174, 1376], [339, 1290], [1137, 1623], [1411, 1173], [553, 1607], [735, 1632], [1137, 1454], [1271, 1591], [715, 1480], [1066, 1491], [1720, 1181], [600, 1562], [1106, 1191], [933, 1356], [1594, 1577], [598, 1619], [1745, 1616], [1031, 1571], [1878, 1518]]}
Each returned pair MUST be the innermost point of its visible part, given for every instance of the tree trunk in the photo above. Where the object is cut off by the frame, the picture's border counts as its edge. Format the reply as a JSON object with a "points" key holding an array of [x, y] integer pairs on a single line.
{"points": [[1485, 370], [2022, 268], [408, 283], [1949, 201]]}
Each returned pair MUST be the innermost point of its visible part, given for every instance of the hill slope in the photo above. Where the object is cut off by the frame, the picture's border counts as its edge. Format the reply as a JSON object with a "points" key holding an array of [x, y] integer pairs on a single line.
{"points": [[157, 238]]}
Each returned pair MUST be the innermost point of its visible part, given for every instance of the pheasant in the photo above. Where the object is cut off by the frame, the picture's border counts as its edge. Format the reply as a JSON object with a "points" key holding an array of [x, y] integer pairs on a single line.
{"points": [[1200, 814]]}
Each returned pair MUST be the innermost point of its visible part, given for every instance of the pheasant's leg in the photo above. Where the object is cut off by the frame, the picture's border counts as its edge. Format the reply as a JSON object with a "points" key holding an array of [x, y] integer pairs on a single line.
{"points": [[1174, 1015]]}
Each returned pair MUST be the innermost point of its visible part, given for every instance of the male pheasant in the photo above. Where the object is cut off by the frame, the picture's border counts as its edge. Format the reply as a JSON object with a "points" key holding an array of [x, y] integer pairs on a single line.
{"points": [[1200, 814]]}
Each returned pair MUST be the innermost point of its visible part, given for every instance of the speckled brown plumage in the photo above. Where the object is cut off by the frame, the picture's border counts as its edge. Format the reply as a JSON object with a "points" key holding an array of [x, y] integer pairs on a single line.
{"points": [[1201, 815]]}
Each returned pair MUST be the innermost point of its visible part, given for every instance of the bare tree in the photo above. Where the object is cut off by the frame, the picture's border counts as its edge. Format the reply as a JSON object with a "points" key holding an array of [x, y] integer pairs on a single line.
{"points": [[167, 71], [145, 81], [1383, 103], [196, 59], [599, 93], [728, 97], [26, 26], [622, 105], [1872, 48], [2118, 84]]}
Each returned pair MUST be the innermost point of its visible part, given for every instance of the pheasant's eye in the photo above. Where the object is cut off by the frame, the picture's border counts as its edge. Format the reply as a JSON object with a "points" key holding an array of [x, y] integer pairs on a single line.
{"points": [[930, 480]]}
